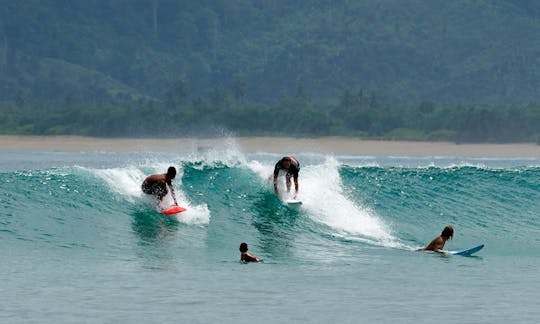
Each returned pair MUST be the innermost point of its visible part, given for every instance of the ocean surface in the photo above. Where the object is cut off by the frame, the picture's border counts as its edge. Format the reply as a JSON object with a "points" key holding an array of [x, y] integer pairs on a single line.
{"points": [[81, 243]]}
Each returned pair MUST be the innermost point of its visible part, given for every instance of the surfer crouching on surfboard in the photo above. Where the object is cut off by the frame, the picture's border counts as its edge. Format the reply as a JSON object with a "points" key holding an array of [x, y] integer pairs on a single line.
{"points": [[156, 184], [438, 243], [290, 165]]}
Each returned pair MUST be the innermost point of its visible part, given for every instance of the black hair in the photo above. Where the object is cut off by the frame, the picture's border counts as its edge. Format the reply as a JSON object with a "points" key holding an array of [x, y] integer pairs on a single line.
{"points": [[243, 247], [171, 172], [448, 231]]}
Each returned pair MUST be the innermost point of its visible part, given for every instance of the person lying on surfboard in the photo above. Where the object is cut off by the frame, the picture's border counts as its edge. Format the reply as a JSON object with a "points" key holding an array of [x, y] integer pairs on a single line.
{"points": [[291, 166], [156, 184], [437, 244], [245, 256]]}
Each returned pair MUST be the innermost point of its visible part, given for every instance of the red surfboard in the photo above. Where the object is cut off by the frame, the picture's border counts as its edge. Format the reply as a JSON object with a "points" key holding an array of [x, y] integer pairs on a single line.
{"points": [[173, 210]]}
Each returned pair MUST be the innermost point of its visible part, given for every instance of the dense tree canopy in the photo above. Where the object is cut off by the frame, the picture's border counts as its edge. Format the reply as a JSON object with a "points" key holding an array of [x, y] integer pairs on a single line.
{"points": [[357, 114], [409, 51]]}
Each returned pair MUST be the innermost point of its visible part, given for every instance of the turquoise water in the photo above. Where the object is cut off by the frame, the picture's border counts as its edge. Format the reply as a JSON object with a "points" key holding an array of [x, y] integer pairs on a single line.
{"points": [[80, 243]]}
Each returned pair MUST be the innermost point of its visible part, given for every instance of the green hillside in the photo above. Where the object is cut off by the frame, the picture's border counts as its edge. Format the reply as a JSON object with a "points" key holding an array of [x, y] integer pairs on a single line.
{"points": [[465, 71], [406, 51]]}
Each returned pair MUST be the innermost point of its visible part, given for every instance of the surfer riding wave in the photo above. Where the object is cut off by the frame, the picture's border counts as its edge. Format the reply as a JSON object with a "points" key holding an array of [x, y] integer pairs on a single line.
{"points": [[292, 167], [156, 184]]}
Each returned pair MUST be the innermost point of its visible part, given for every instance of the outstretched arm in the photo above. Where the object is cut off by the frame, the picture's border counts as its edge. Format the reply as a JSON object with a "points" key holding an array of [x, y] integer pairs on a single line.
{"points": [[276, 174], [173, 194], [247, 257]]}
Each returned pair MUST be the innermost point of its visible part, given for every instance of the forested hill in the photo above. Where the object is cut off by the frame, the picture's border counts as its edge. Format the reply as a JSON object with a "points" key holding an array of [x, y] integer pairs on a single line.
{"points": [[407, 51]]}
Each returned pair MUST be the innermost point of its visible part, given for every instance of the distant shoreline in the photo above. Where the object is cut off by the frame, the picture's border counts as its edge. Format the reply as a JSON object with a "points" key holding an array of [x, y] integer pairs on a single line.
{"points": [[278, 145]]}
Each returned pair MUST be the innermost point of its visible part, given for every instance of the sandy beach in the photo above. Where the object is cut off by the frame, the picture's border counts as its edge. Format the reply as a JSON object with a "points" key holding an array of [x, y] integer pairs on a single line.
{"points": [[284, 145]]}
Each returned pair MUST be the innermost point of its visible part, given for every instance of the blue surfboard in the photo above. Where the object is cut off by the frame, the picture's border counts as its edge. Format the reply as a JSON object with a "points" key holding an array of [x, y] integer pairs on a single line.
{"points": [[467, 252]]}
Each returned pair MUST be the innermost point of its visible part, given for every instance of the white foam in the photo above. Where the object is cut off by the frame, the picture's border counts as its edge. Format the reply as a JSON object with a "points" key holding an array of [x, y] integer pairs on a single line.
{"points": [[124, 181], [264, 171], [194, 214], [217, 152], [323, 196]]}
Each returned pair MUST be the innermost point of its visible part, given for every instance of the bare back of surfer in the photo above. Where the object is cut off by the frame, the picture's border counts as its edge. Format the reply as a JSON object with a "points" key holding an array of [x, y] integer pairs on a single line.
{"points": [[156, 184], [245, 256], [292, 167], [438, 243]]}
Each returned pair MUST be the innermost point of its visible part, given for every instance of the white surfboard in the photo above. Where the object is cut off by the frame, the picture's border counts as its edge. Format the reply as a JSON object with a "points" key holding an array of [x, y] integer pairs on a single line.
{"points": [[293, 202]]}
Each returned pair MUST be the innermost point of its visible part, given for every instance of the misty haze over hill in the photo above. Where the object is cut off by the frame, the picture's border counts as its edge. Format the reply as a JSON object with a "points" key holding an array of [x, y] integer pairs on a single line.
{"points": [[408, 52]]}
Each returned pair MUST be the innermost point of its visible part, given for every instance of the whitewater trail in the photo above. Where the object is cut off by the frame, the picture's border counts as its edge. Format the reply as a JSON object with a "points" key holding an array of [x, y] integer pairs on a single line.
{"points": [[325, 202]]}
